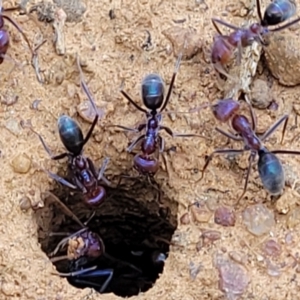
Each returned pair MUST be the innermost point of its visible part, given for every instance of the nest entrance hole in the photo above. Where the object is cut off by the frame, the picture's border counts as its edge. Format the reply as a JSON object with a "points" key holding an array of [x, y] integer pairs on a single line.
{"points": [[136, 231]]}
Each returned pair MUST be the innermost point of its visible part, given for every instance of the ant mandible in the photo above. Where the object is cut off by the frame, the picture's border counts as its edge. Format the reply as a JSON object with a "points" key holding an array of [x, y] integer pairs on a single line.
{"points": [[154, 99], [269, 166], [82, 169], [224, 45]]}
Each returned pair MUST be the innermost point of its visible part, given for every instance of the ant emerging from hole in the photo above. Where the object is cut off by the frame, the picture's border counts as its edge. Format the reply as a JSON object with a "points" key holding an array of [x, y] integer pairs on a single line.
{"points": [[82, 170], [152, 144], [83, 247], [86, 256], [224, 45], [269, 166]]}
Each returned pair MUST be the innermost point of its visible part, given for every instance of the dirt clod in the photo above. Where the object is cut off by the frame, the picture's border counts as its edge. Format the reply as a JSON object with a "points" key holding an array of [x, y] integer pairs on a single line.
{"points": [[185, 41], [260, 95], [21, 163]]}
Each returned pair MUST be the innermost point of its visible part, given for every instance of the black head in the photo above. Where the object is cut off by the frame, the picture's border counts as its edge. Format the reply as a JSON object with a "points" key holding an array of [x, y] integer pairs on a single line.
{"points": [[70, 134], [153, 89]]}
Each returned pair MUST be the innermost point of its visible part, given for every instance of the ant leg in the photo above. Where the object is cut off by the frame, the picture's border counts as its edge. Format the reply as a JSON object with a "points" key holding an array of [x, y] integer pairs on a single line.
{"points": [[54, 157], [274, 127], [286, 25], [229, 135], [66, 210], [170, 132], [239, 53], [102, 170], [130, 99], [61, 180], [177, 65], [218, 151], [259, 11], [161, 144], [84, 85], [135, 142], [225, 24], [89, 95], [216, 27], [253, 116], [97, 273], [76, 273], [251, 158], [220, 69], [138, 129], [114, 259], [285, 152]]}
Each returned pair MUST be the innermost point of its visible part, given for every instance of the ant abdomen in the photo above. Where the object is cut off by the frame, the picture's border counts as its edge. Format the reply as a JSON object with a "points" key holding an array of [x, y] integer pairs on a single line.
{"points": [[221, 51], [146, 165], [70, 134], [271, 172], [95, 197], [153, 89], [279, 11], [225, 109]]}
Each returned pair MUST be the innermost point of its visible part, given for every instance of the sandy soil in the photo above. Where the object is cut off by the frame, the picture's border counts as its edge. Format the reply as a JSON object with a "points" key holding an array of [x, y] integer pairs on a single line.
{"points": [[112, 40]]}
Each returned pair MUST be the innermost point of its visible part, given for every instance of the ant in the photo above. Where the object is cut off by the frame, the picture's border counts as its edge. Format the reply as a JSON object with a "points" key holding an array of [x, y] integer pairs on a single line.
{"points": [[82, 169], [153, 96], [269, 166], [83, 247], [224, 45]]}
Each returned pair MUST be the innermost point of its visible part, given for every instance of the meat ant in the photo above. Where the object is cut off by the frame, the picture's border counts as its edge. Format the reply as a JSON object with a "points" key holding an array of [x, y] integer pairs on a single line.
{"points": [[269, 166], [153, 96], [84, 248], [225, 45], [82, 169]]}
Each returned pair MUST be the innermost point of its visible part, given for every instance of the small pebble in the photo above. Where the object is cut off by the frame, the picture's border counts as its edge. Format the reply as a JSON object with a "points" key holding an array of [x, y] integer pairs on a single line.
{"points": [[185, 219], [224, 216], [13, 126], [272, 248], [293, 217], [25, 203], [21, 163], [260, 96], [210, 236], [258, 219], [237, 257], [233, 279], [200, 213], [185, 40]]}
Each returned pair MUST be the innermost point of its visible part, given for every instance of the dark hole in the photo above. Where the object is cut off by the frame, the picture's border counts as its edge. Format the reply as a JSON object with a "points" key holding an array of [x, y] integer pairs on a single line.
{"points": [[136, 231]]}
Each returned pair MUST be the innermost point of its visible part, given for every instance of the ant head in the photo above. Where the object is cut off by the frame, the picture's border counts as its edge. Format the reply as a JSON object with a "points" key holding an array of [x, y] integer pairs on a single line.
{"points": [[70, 134], [94, 244], [153, 91]]}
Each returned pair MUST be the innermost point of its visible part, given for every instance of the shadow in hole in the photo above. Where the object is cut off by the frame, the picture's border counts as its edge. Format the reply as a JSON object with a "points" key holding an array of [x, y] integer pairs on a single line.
{"points": [[135, 230]]}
